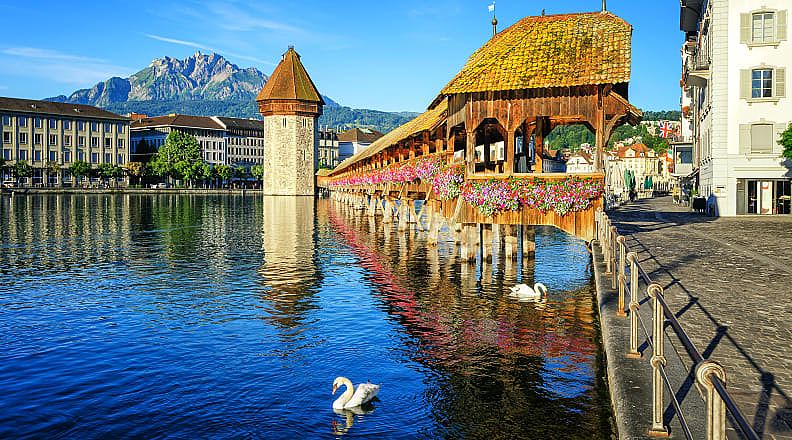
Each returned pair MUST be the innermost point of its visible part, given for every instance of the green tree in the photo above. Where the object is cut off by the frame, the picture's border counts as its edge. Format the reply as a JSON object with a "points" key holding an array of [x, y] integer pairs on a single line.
{"points": [[79, 169], [108, 171], [53, 169], [224, 172], [257, 171], [3, 168], [136, 170], [22, 169], [786, 142], [179, 148]]}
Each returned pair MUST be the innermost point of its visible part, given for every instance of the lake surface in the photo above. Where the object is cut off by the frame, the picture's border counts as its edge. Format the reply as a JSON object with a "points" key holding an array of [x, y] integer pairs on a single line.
{"points": [[166, 316]]}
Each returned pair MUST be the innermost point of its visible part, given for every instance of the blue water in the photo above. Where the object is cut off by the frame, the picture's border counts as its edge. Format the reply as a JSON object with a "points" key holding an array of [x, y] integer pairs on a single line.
{"points": [[165, 316]]}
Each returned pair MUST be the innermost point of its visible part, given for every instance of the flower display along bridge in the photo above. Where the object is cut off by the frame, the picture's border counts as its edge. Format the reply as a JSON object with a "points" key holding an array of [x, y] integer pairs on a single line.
{"points": [[476, 157]]}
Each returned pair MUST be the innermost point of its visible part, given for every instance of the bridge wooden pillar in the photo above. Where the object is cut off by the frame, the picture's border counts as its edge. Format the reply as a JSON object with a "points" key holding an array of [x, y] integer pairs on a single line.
{"points": [[528, 237], [387, 210], [510, 248], [470, 242], [486, 241]]}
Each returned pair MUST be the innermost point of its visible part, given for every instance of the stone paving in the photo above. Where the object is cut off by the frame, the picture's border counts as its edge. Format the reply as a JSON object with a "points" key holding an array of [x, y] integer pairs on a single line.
{"points": [[730, 282]]}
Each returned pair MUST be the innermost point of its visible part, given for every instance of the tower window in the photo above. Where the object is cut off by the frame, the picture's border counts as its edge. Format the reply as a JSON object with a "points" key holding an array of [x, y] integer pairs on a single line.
{"points": [[284, 122]]}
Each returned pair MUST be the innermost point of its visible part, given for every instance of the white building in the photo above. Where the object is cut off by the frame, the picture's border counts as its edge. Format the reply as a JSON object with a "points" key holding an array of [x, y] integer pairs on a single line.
{"points": [[736, 59], [355, 140], [580, 162]]}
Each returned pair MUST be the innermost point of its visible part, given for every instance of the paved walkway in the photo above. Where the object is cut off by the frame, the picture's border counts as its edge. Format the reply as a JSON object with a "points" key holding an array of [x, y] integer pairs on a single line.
{"points": [[730, 282]]}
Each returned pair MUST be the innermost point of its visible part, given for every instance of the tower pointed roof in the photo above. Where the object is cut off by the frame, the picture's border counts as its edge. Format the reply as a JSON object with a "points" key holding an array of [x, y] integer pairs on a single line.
{"points": [[290, 81]]}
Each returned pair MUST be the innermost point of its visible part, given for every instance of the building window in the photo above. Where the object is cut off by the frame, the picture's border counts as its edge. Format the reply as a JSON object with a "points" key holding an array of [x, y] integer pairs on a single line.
{"points": [[67, 141], [67, 156], [81, 125], [36, 155], [108, 142], [762, 27], [108, 157], [23, 138], [94, 157], [7, 154], [761, 138], [120, 159], [53, 156], [37, 139], [120, 128], [22, 154], [94, 126], [120, 143], [80, 141], [22, 121], [106, 126], [37, 122], [94, 141], [80, 156], [762, 83], [53, 123], [67, 125], [53, 139], [6, 120], [6, 137]]}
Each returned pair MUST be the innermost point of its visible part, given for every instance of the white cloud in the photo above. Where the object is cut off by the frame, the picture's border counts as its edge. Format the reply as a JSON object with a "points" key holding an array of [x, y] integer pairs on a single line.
{"points": [[58, 66], [209, 48]]}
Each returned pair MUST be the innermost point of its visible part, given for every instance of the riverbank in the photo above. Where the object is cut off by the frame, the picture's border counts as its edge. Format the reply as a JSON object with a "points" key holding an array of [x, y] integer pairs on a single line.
{"points": [[25, 191]]}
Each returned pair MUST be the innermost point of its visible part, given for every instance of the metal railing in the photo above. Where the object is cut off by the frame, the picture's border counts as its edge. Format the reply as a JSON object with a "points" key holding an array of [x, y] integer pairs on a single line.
{"points": [[708, 374]]}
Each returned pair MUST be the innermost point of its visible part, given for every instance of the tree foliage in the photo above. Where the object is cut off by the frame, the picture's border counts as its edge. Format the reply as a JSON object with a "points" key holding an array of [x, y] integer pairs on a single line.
{"points": [[79, 169], [257, 171], [786, 142], [23, 169], [179, 157], [223, 171]]}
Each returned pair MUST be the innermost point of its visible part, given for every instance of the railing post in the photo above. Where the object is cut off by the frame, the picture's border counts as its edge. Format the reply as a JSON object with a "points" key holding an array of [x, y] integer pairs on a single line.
{"points": [[634, 305], [606, 246], [621, 274], [613, 234], [716, 409], [658, 359]]}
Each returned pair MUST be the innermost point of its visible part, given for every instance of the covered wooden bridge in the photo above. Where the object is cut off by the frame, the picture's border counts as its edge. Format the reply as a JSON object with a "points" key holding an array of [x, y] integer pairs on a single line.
{"points": [[476, 156]]}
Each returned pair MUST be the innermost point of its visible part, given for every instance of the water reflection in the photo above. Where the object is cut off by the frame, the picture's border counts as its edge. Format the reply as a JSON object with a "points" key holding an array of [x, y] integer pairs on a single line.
{"points": [[497, 359]]}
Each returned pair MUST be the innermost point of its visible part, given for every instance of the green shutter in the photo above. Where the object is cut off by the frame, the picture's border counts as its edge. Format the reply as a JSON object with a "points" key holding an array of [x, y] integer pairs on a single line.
{"points": [[745, 138], [780, 82], [745, 84], [781, 25], [745, 28]]}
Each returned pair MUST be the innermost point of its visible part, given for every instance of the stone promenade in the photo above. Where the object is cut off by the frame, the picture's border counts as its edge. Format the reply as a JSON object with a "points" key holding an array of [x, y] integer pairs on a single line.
{"points": [[730, 282]]}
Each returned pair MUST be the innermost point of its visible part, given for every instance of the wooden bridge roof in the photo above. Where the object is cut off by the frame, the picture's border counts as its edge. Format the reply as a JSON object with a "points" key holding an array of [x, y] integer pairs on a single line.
{"points": [[425, 121], [549, 51]]}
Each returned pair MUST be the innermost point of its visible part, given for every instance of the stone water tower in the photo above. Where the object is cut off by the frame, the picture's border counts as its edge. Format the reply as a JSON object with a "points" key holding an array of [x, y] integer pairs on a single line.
{"points": [[291, 105]]}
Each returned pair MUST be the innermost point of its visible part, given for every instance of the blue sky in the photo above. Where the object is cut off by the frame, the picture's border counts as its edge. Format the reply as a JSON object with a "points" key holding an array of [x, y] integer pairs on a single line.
{"points": [[392, 55]]}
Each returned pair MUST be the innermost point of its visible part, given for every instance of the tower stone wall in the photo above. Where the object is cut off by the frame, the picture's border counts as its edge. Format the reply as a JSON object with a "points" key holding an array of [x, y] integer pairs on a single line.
{"points": [[290, 157]]}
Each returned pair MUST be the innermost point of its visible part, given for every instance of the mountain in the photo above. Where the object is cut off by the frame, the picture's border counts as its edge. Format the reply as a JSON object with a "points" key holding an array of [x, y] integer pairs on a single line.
{"points": [[209, 85]]}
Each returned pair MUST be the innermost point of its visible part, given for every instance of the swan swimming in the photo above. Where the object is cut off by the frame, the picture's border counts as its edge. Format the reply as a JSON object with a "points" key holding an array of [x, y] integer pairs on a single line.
{"points": [[523, 292], [353, 397]]}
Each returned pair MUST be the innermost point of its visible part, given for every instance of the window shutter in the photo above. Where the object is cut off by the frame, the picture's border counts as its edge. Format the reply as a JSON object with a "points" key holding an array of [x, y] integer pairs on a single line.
{"points": [[745, 84], [779, 129], [745, 138], [745, 28], [780, 82], [781, 25]]}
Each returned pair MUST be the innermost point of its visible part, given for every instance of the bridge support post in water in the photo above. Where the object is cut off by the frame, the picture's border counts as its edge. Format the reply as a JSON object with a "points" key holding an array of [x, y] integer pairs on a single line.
{"points": [[434, 225], [510, 242], [387, 210], [528, 239], [402, 215], [470, 238], [411, 211], [486, 242]]}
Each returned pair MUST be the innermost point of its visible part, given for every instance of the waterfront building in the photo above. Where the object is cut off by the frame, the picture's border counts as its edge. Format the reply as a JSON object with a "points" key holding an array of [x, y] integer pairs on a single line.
{"points": [[735, 62], [291, 106], [328, 148], [580, 162], [50, 136], [355, 140], [223, 141]]}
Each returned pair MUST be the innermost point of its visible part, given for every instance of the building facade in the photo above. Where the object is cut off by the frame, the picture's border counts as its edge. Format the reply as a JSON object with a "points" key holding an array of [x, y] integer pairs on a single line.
{"points": [[223, 141], [291, 106], [580, 162], [355, 140], [736, 60], [328, 148], [53, 135]]}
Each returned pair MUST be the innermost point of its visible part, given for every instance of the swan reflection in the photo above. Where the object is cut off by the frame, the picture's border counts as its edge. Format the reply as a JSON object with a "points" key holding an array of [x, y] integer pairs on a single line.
{"points": [[348, 415]]}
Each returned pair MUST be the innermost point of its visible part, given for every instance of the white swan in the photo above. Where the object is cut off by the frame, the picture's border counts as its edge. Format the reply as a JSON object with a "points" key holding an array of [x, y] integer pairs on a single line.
{"points": [[353, 397], [523, 292]]}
